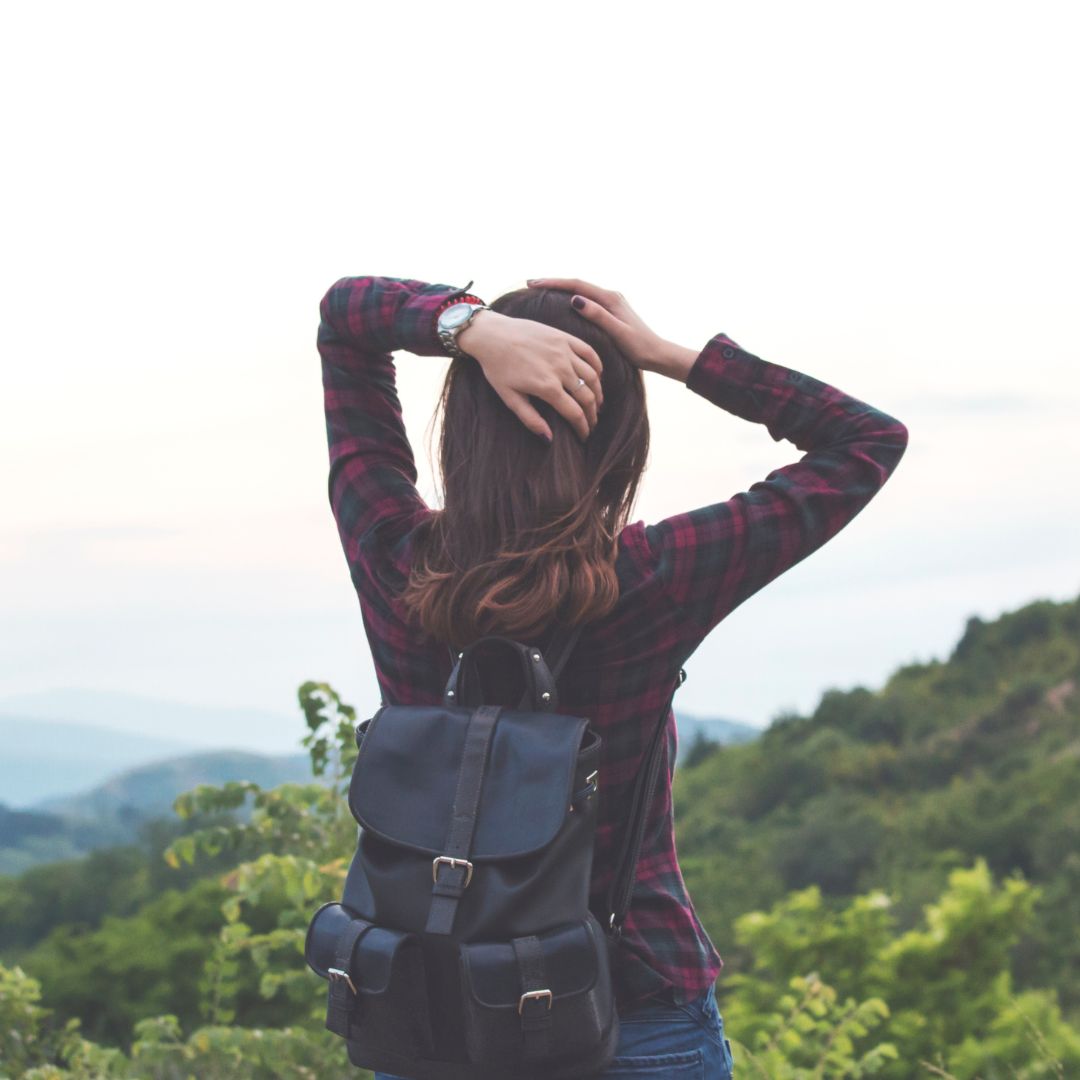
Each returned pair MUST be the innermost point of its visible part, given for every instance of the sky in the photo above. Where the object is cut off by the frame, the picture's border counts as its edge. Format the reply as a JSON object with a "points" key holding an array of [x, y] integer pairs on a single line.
{"points": [[881, 196]]}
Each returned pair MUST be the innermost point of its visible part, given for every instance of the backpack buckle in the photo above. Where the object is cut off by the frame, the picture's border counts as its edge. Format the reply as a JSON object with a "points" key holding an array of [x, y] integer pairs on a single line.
{"points": [[587, 792], [452, 862], [535, 995], [337, 974]]}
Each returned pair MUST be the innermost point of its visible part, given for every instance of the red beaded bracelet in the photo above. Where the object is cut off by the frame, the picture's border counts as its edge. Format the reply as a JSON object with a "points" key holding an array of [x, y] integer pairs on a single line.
{"points": [[453, 299]]}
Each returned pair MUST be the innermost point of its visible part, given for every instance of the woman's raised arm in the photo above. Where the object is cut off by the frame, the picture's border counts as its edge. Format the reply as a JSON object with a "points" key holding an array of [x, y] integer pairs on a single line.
{"points": [[372, 479], [707, 561], [713, 558]]}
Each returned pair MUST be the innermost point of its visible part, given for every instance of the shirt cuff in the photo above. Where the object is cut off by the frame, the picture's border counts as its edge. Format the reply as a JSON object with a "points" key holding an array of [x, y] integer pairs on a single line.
{"points": [[417, 326], [712, 364]]}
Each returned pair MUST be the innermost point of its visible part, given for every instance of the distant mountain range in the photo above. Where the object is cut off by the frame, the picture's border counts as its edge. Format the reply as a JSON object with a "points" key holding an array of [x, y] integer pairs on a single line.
{"points": [[724, 732], [111, 813], [201, 727], [149, 791], [69, 787], [43, 759]]}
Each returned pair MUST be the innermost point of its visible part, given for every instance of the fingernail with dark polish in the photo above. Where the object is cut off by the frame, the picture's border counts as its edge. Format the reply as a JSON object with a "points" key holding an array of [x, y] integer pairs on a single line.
{"points": [[578, 302]]}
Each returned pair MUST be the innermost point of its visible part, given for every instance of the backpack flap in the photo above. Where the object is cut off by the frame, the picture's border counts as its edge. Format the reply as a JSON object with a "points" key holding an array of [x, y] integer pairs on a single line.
{"points": [[376, 976], [325, 931], [372, 950], [537, 997], [494, 980], [406, 777]]}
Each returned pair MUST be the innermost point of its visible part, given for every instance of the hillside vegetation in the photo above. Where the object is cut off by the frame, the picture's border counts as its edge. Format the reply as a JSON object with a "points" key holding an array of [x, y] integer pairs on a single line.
{"points": [[892, 881], [976, 756]]}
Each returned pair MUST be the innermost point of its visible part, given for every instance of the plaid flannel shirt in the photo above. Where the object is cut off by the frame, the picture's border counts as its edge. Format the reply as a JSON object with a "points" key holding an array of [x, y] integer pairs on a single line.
{"points": [[679, 577]]}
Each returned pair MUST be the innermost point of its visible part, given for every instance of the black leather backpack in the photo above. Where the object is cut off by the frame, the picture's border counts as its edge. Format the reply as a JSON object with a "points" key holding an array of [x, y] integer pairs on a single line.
{"points": [[464, 946]]}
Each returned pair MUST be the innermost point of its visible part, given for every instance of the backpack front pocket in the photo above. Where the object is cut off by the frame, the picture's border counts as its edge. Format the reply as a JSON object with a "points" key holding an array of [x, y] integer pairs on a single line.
{"points": [[377, 997], [539, 998]]}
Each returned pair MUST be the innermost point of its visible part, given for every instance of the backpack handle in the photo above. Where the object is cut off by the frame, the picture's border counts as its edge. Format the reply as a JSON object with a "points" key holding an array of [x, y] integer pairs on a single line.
{"points": [[541, 693]]}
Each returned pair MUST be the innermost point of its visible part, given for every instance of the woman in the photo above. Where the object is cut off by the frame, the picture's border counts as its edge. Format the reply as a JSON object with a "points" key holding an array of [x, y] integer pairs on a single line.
{"points": [[544, 441]]}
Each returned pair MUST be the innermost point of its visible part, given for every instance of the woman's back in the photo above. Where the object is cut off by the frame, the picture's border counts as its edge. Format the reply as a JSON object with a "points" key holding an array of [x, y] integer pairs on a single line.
{"points": [[677, 578]]}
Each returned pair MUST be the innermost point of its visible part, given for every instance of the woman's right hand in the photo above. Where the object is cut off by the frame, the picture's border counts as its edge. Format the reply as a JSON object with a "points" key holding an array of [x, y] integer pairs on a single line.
{"points": [[613, 314], [522, 357]]}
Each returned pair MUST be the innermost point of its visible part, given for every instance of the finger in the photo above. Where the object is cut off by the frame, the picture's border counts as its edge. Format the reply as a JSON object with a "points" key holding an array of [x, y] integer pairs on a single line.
{"points": [[587, 288], [590, 405], [583, 351], [583, 394], [586, 352], [569, 408], [584, 370], [519, 404], [597, 313]]}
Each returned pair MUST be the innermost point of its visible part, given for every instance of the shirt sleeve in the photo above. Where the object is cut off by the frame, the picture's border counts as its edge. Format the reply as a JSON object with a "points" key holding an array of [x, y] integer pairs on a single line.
{"points": [[372, 479], [711, 559]]}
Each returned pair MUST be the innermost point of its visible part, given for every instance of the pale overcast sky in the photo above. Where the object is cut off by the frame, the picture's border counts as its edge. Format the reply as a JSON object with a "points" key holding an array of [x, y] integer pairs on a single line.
{"points": [[882, 196]]}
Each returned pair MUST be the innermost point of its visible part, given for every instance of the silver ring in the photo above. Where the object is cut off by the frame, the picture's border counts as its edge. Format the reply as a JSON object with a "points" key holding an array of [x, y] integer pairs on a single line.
{"points": [[581, 381]]}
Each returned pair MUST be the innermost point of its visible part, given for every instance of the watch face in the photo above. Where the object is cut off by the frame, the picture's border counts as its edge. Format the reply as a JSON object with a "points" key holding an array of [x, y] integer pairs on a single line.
{"points": [[454, 315]]}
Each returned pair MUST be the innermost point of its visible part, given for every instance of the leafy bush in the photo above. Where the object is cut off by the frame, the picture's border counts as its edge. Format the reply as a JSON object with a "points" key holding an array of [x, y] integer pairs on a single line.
{"points": [[906, 814]]}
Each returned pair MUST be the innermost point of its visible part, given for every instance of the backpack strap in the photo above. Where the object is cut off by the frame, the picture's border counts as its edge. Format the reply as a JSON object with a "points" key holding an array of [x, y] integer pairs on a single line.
{"points": [[546, 674], [452, 870], [534, 1005], [558, 653], [622, 881], [342, 991]]}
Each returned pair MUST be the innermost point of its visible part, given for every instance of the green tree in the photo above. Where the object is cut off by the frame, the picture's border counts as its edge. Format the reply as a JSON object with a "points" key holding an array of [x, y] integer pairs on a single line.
{"points": [[942, 992], [916, 979]]}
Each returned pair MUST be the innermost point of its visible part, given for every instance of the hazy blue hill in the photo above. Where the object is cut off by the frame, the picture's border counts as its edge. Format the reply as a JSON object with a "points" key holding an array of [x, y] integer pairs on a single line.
{"points": [[720, 731], [149, 791], [30, 837], [43, 758], [112, 812]]}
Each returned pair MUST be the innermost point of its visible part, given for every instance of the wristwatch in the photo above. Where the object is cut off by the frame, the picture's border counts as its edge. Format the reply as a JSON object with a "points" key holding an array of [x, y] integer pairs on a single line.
{"points": [[452, 320]]}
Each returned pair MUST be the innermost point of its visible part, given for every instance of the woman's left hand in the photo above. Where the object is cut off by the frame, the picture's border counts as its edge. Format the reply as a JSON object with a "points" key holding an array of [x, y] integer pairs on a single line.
{"points": [[521, 357]]}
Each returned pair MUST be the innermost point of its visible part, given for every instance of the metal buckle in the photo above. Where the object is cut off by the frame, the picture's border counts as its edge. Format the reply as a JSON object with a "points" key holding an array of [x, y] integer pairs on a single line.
{"points": [[452, 862], [590, 779], [535, 994], [337, 973]]}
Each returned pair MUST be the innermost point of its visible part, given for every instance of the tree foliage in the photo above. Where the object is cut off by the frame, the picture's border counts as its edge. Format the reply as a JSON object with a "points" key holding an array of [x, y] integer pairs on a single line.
{"points": [[895, 881]]}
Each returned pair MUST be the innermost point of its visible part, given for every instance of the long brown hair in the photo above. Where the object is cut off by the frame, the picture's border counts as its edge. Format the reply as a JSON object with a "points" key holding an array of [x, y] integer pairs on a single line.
{"points": [[528, 532]]}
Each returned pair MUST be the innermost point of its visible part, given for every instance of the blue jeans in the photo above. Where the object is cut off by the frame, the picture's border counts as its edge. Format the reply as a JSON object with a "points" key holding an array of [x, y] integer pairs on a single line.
{"points": [[678, 1042]]}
